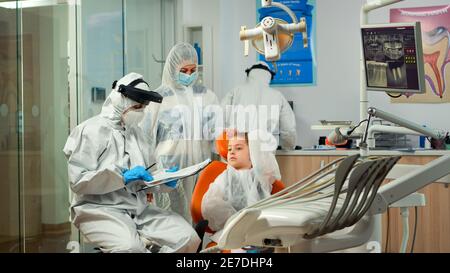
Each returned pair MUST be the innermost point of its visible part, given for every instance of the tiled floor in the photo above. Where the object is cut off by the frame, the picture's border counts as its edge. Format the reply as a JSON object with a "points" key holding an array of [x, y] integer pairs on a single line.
{"points": [[43, 244]]}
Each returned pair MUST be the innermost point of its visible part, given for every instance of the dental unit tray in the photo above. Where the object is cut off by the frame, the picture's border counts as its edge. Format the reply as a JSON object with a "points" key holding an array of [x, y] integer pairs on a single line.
{"points": [[161, 176]]}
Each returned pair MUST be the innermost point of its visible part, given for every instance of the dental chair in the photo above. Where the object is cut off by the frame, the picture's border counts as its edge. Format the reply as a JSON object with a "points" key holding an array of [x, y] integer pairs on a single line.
{"points": [[311, 215], [206, 177]]}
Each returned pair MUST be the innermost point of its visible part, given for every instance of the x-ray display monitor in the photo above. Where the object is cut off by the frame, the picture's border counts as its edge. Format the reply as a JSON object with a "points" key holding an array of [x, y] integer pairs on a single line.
{"points": [[393, 58]]}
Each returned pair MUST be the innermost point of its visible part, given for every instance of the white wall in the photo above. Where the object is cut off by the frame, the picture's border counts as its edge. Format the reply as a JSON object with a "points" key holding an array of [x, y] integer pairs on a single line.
{"points": [[102, 44], [204, 12], [233, 15], [225, 17], [336, 95]]}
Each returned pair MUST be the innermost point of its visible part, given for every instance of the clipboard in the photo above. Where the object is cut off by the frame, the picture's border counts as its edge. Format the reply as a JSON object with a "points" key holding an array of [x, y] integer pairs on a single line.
{"points": [[161, 176]]}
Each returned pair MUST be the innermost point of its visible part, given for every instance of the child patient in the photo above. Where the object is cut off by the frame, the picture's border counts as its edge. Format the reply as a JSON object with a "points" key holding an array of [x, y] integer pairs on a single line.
{"points": [[251, 171]]}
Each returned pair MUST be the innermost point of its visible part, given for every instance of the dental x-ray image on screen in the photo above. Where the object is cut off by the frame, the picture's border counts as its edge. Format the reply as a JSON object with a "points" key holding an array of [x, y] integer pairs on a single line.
{"points": [[393, 58]]}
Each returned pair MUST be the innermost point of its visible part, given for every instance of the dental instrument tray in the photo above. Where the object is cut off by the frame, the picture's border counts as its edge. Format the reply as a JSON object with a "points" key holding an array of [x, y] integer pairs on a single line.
{"points": [[162, 176], [336, 122]]}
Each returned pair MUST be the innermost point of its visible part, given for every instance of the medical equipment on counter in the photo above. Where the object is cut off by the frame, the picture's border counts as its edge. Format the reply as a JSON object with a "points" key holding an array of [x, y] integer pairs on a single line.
{"points": [[273, 36], [337, 137], [391, 141], [341, 135]]}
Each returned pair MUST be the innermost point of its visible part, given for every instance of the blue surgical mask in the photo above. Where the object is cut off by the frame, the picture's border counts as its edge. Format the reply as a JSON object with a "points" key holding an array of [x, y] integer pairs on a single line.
{"points": [[185, 79]]}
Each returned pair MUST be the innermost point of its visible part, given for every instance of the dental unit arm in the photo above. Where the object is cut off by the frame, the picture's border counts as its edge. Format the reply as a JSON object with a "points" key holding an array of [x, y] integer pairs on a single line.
{"points": [[270, 28], [408, 127], [414, 181], [435, 134]]}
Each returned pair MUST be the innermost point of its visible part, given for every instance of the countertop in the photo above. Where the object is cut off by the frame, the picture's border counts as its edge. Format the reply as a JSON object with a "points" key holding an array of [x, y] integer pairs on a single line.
{"points": [[352, 152]]}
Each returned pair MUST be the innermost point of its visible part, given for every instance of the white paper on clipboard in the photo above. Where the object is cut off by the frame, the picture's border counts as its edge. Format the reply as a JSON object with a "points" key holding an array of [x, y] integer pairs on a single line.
{"points": [[162, 177]]}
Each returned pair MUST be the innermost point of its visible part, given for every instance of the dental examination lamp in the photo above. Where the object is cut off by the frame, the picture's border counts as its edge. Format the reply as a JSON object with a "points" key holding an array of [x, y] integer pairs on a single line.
{"points": [[273, 36]]}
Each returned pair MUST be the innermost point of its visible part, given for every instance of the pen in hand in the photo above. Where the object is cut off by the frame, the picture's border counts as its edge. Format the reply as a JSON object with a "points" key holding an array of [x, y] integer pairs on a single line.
{"points": [[150, 166]]}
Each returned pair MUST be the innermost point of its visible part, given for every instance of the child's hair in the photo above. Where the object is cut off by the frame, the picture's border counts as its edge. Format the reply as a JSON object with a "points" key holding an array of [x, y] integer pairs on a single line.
{"points": [[236, 134]]}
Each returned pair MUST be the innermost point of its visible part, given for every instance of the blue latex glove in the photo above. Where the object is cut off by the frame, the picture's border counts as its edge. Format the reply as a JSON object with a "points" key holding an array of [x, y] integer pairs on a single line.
{"points": [[136, 174], [172, 184]]}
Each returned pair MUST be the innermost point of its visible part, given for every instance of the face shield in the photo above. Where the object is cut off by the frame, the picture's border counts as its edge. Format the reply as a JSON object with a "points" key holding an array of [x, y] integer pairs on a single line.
{"points": [[133, 115], [142, 97], [138, 95], [260, 66], [151, 116]]}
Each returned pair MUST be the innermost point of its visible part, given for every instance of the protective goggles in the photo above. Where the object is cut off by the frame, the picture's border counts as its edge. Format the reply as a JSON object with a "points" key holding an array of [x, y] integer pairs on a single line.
{"points": [[138, 95], [260, 66]]}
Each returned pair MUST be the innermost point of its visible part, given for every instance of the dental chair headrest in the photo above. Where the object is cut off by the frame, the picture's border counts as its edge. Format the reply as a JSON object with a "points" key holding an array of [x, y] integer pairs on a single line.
{"points": [[222, 144]]}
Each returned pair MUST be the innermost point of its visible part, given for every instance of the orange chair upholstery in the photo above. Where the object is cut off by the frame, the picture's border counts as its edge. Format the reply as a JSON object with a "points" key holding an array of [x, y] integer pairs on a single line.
{"points": [[277, 186], [206, 177]]}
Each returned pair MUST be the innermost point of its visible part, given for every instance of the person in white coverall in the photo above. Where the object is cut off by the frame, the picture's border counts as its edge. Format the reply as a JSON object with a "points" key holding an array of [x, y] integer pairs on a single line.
{"points": [[255, 105], [107, 160], [185, 127]]}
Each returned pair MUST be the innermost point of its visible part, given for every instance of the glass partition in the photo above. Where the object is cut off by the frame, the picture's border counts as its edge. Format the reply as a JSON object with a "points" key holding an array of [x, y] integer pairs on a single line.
{"points": [[118, 38], [45, 127], [58, 60], [9, 142], [143, 39], [101, 52]]}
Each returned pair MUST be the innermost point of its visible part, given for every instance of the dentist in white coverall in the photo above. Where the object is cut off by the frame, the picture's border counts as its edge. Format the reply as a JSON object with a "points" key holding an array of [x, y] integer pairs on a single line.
{"points": [[107, 160]]}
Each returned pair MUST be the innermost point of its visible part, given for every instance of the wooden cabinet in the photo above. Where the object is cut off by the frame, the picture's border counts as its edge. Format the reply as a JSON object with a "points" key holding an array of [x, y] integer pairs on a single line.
{"points": [[294, 168], [433, 228]]}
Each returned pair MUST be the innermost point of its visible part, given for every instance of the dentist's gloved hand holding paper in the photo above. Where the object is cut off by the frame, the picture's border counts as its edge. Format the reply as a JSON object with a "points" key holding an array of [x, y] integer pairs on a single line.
{"points": [[136, 174]]}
